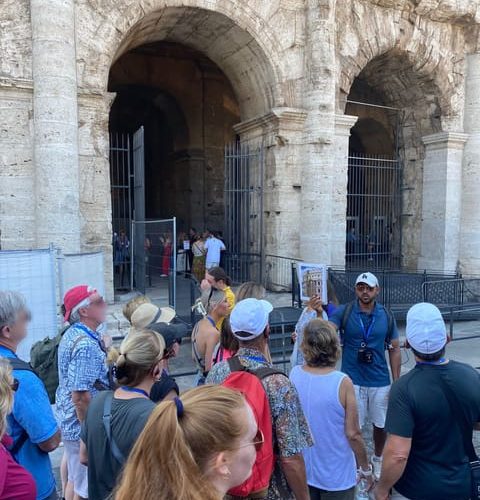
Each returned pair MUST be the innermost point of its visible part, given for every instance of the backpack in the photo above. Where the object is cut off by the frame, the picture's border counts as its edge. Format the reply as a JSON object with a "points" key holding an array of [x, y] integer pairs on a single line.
{"points": [[348, 311], [18, 364], [249, 383], [44, 360]]}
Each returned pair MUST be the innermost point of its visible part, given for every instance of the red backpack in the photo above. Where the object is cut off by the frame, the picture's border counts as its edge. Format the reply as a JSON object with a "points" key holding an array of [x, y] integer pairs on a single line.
{"points": [[249, 383]]}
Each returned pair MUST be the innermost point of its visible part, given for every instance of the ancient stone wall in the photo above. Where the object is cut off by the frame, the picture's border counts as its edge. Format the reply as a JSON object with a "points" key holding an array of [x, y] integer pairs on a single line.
{"points": [[291, 65], [17, 205]]}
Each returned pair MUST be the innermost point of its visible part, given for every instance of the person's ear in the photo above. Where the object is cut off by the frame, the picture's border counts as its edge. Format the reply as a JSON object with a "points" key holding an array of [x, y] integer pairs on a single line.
{"points": [[5, 331], [157, 370], [266, 332], [221, 466]]}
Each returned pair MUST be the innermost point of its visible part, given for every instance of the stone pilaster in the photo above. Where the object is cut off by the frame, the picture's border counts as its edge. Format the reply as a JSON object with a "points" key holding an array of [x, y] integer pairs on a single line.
{"points": [[441, 201], [343, 126], [317, 161], [470, 222], [279, 133], [55, 149]]}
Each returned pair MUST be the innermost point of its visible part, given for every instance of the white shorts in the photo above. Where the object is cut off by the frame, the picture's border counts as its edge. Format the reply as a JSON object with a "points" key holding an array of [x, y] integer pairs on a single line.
{"points": [[209, 265], [372, 402], [77, 473]]}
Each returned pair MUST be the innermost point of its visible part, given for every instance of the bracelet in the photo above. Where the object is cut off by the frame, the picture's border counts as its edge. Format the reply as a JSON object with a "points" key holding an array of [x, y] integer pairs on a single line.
{"points": [[366, 473]]}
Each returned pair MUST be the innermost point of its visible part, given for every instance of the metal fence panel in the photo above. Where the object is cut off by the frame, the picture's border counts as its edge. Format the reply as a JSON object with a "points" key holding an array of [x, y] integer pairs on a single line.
{"points": [[32, 273], [154, 258], [244, 170], [374, 212]]}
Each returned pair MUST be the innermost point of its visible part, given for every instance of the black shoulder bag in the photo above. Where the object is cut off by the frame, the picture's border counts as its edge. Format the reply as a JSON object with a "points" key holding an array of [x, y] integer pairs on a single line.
{"points": [[466, 431]]}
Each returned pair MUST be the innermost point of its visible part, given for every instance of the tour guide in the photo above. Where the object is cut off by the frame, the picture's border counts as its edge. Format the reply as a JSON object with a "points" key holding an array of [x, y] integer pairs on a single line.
{"points": [[367, 330]]}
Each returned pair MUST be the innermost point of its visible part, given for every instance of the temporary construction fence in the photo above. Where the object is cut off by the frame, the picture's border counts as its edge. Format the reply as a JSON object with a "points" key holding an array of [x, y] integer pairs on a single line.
{"points": [[154, 257], [43, 276]]}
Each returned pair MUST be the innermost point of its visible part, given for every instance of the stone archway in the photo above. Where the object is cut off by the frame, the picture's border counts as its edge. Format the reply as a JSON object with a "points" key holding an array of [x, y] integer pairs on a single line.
{"points": [[229, 38], [417, 65]]}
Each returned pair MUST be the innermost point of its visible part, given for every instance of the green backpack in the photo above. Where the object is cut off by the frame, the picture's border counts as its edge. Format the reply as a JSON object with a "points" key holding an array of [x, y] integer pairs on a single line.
{"points": [[44, 360]]}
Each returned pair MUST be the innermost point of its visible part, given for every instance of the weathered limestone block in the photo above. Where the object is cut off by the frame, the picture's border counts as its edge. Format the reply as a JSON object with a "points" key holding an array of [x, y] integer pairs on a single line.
{"points": [[470, 222], [17, 206], [55, 124], [442, 201]]}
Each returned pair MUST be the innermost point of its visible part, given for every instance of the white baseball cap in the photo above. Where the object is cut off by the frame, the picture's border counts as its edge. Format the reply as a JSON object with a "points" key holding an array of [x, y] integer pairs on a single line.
{"points": [[250, 317], [367, 278], [426, 331]]}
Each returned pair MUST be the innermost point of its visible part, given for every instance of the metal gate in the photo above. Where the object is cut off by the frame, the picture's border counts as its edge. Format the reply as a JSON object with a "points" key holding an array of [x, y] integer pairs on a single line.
{"points": [[244, 170], [373, 212], [127, 194]]}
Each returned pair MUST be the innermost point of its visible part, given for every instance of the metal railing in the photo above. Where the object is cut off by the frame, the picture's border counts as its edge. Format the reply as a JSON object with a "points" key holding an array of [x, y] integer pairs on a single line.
{"points": [[279, 272]]}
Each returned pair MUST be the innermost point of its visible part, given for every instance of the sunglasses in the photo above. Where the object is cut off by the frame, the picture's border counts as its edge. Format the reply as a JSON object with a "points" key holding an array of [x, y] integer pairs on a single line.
{"points": [[362, 287], [14, 385], [257, 441]]}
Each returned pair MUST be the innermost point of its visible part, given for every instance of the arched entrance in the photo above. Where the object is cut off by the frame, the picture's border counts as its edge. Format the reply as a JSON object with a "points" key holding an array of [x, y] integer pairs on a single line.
{"points": [[395, 107], [187, 108], [187, 76]]}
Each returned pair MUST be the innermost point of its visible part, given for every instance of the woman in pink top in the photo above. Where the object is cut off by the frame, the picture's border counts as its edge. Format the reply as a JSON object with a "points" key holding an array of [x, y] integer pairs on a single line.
{"points": [[15, 482]]}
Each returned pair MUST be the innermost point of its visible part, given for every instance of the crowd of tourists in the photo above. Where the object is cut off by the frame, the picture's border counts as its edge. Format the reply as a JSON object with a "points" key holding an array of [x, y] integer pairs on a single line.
{"points": [[246, 429]]}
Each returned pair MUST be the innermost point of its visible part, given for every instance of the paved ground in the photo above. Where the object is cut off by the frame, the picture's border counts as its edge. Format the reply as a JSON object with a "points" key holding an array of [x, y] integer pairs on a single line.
{"points": [[462, 349]]}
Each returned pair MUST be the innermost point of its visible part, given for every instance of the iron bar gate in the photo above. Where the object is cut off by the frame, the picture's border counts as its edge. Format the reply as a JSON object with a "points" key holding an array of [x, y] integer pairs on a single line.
{"points": [[121, 195], [373, 212], [374, 197], [244, 170], [127, 195]]}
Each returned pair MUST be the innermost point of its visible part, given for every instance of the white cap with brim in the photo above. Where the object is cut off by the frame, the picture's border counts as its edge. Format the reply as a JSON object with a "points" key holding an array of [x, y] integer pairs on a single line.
{"points": [[249, 318], [367, 278], [426, 331]]}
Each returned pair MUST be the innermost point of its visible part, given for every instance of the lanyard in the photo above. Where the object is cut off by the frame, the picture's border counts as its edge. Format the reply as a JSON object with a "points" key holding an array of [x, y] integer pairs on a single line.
{"points": [[258, 359], [212, 322], [84, 329], [439, 362], [366, 332], [135, 389]]}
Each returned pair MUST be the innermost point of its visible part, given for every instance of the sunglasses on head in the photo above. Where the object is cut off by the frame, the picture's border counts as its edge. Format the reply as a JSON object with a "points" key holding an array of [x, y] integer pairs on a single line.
{"points": [[362, 286], [14, 385]]}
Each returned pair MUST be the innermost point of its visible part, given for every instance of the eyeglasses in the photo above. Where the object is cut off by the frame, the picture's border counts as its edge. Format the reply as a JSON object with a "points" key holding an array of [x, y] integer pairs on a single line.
{"points": [[361, 287], [14, 385], [257, 441]]}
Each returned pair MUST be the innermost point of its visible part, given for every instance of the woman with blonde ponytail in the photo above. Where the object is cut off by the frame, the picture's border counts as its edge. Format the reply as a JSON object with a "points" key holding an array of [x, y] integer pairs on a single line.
{"points": [[115, 419], [196, 447]]}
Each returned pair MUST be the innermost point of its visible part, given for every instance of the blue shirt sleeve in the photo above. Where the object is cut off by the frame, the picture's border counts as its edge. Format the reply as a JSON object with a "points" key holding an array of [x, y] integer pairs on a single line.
{"points": [[336, 317], [395, 334], [31, 408]]}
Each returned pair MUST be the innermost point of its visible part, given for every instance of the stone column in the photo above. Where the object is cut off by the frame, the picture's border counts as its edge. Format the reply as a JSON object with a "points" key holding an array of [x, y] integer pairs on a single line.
{"points": [[470, 230], [279, 134], [343, 125], [55, 124], [317, 162], [441, 201]]}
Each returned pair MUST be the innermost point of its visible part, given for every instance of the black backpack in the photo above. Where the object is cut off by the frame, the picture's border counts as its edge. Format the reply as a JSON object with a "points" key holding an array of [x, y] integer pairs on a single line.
{"points": [[347, 313], [18, 364]]}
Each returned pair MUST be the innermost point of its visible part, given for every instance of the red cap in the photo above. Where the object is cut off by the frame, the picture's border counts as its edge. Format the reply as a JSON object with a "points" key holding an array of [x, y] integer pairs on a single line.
{"points": [[74, 296]]}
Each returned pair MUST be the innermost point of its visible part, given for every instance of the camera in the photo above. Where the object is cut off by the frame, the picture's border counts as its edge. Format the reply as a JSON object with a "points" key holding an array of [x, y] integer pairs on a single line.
{"points": [[365, 356]]}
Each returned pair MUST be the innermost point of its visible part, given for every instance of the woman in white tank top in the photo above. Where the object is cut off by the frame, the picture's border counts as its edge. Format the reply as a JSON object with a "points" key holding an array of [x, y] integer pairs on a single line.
{"points": [[328, 401]]}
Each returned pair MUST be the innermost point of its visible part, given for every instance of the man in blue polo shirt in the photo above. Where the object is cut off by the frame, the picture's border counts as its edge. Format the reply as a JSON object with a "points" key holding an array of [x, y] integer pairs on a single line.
{"points": [[31, 424], [368, 330]]}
